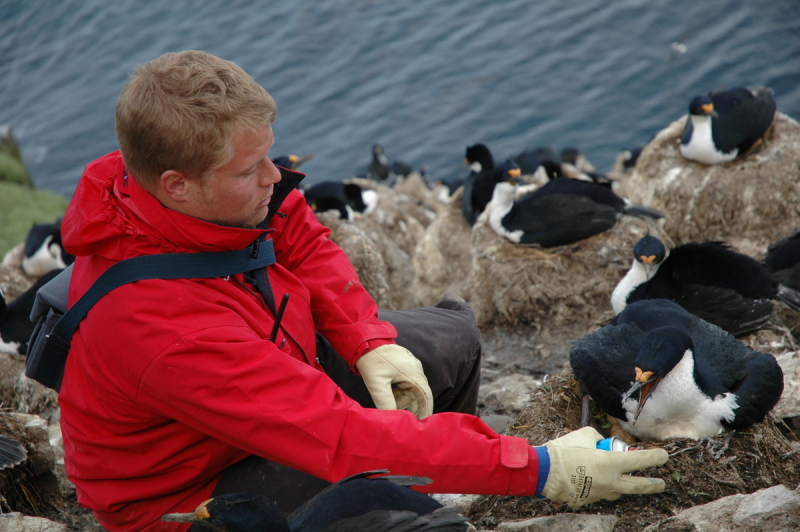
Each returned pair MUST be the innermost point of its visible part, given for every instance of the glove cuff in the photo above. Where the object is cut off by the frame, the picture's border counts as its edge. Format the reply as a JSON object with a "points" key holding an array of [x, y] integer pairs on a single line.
{"points": [[544, 470]]}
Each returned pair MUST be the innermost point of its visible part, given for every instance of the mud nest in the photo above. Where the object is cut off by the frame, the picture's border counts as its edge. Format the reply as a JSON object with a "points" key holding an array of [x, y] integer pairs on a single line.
{"points": [[698, 471]]}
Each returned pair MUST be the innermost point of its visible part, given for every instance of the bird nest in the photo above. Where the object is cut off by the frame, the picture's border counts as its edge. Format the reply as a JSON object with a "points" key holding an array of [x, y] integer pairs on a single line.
{"points": [[27, 487], [748, 202], [698, 471]]}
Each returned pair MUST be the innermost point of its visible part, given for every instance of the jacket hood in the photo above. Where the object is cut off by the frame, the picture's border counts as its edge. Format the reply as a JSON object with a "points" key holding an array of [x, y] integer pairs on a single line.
{"points": [[110, 215]]}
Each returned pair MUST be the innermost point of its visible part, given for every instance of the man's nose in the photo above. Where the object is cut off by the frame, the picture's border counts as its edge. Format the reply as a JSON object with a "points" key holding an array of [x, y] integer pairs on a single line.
{"points": [[272, 175]]}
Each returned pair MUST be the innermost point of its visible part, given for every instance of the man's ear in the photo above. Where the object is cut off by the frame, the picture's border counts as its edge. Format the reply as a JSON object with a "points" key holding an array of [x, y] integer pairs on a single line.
{"points": [[175, 186]]}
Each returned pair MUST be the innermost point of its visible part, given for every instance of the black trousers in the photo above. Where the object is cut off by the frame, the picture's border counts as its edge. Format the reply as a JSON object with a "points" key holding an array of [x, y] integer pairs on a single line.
{"points": [[447, 342]]}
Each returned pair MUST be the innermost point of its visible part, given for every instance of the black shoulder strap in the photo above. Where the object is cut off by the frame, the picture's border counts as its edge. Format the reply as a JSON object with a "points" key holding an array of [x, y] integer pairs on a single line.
{"points": [[165, 266]]}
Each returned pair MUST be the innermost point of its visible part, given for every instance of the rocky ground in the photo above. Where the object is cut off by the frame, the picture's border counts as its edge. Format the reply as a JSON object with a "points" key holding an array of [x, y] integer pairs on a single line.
{"points": [[530, 305]]}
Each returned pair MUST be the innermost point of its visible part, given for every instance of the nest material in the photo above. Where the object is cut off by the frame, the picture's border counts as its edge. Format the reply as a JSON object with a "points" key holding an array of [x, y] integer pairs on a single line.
{"points": [[442, 258], [30, 487], [697, 472], [564, 291], [748, 202]]}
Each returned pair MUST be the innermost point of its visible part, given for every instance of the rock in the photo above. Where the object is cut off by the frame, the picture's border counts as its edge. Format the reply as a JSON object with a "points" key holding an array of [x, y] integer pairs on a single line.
{"points": [[789, 405], [748, 202], [508, 394], [771, 509], [562, 523], [442, 258], [16, 522]]}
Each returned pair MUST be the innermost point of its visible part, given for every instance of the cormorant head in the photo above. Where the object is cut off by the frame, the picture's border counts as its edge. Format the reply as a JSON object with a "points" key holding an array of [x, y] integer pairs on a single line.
{"points": [[649, 251], [660, 352], [702, 106], [236, 512], [292, 162], [507, 170], [479, 153]]}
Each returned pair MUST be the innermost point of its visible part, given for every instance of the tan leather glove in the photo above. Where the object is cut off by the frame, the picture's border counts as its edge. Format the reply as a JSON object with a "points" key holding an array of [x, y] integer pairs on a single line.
{"points": [[389, 365], [580, 474]]}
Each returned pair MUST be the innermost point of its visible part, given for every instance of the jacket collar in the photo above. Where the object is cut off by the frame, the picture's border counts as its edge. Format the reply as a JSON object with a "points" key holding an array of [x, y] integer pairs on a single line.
{"points": [[289, 181]]}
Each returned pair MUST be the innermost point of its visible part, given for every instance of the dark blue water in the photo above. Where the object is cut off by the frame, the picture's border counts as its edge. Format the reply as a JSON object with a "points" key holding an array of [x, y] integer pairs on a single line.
{"points": [[425, 79]]}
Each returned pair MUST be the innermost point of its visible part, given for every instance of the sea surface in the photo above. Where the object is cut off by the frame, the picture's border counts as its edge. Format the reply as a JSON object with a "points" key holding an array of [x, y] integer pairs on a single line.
{"points": [[424, 79]]}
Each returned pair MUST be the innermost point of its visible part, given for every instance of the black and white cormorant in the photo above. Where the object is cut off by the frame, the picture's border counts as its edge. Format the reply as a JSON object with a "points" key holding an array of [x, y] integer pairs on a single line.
{"points": [[378, 168], [665, 373], [43, 250], [783, 263], [562, 211], [726, 123], [708, 279], [16, 326], [481, 179], [292, 162], [360, 503], [344, 198]]}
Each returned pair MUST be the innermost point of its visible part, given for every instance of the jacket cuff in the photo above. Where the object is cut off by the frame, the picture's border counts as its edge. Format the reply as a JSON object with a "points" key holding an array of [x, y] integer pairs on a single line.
{"points": [[522, 461], [544, 469]]}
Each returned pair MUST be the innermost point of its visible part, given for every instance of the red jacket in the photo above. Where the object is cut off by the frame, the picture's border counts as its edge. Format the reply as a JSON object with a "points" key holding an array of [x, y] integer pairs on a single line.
{"points": [[169, 382]]}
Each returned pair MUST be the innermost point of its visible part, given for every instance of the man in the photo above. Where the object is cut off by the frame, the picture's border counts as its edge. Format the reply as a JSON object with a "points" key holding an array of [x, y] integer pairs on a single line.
{"points": [[174, 389]]}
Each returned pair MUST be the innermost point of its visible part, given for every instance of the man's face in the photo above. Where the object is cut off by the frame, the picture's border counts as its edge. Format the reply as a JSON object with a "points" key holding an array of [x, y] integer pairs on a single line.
{"points": [[238, 193]]}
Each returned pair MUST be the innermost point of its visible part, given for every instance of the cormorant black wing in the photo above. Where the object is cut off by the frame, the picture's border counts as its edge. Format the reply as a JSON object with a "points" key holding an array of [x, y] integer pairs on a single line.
{"points": [[11, 452], [603, 363], [722, 307], [715, 264], [758, 392], [558, 219], [744, 117], [466, 200], [358, 495], [724, 364]]}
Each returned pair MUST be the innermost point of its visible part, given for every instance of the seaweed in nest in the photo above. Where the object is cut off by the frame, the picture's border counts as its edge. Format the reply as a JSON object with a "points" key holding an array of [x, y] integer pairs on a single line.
{"points": [[698, 471]]}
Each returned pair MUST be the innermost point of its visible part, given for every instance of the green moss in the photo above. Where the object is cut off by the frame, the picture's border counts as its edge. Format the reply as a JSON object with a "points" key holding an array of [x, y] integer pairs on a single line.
{"points": [[12, 171], [20, 207]]}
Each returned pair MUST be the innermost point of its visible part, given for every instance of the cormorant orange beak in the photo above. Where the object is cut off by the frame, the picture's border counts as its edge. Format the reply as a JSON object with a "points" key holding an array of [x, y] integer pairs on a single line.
{"points": [[293, 158], [647, 260], [200, 515], [709, 109], [645, 383]]}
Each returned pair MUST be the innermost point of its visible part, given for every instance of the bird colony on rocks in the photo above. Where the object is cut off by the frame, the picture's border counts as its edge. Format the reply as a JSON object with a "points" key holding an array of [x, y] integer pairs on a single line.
{"points": [[665, 284]]}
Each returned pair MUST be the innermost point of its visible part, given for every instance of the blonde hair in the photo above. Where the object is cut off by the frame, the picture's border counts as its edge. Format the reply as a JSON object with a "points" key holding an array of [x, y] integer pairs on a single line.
{"points": [[179, 112]]}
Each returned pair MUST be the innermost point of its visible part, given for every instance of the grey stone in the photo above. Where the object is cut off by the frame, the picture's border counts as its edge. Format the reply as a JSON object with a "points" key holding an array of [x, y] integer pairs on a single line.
{"points": [[775, 508], [789, 405], [562, 523], [509, 394], [769, 510], [16, 522]]}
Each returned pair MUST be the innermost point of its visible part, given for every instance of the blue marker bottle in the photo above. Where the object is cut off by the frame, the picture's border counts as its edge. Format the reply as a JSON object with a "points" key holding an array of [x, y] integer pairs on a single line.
{"points": [[614, 444]]}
